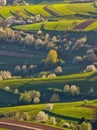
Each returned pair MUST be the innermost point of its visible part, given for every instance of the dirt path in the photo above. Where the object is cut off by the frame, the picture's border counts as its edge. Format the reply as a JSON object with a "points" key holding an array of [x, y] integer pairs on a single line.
{"points": [[14, 53], [90, 106], [17, 125], [85, 24]]}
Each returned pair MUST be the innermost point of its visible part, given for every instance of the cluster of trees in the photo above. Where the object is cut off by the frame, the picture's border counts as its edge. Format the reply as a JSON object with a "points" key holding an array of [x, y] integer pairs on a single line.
{"points": [[30, 96], [51, 62], [5, 75], [73, 89], [25, 70]]}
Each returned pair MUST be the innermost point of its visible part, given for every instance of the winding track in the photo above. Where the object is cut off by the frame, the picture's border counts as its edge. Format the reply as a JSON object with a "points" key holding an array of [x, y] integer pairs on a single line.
{"points": [[18, 125]]}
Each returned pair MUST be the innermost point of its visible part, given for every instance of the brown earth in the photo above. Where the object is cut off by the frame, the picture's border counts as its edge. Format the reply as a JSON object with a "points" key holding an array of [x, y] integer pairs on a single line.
{"points": [[27, 124], [84, 24]]}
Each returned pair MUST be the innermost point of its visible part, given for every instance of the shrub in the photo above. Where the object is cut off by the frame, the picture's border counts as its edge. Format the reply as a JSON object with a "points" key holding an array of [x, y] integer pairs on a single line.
{"points": [[73, 89], [36, 100], [16, 91], [17, 69], [52, 75], [7, 88], [41, 117], [26, 116], [58, 70], [25, 98], [66, 88], [55, 98], [52, 121], [49, 107], [77, 60], [90, 68], [17, 116]]}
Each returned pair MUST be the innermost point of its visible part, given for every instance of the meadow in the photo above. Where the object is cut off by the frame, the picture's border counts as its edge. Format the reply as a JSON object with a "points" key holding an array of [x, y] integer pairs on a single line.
{"points": [[85, 81], [68, 16], [63, 111]]}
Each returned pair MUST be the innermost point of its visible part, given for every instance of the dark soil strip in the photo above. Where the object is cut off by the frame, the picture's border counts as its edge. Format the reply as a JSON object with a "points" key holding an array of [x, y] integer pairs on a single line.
{"points": [[85, 24], [89, 106], [26, 124], [51, 11], [17, 54]]}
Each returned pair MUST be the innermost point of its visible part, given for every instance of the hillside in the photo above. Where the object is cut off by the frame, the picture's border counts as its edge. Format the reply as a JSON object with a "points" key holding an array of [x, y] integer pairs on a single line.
{"points": [[61, 111], [48, 63], [48, 87]]}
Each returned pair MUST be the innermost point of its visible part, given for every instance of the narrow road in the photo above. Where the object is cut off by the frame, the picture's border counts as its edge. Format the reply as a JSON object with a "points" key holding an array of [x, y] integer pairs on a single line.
{"points": [[19, 125]]}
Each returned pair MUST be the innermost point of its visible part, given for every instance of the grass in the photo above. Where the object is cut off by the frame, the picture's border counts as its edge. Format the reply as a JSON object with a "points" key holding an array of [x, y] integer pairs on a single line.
{"points": [[43, 84], [84, 81], [9, 62], [62, 25], [61, 9], [67, 14], [37, 10], [66, 110], [57, 25], [29, 27]]}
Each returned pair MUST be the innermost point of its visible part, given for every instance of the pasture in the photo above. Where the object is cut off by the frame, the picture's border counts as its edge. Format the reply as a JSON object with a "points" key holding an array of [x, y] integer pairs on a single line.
{"points": [[63, 111], [68, 16]]}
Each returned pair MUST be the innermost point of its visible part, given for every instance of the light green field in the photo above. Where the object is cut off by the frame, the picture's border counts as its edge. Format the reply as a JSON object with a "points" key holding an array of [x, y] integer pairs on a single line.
{"points": [[37, 10], [61, 9], [85, 8], [84, 81], [58, 26], [67, 15], [29, 27], [62, 25], [71, 110]]}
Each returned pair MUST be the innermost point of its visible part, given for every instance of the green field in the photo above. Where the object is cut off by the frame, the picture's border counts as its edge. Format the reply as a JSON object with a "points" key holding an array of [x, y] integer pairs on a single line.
{"points": [[84, 81], [64, 111], [55, 26], [65, 14]]}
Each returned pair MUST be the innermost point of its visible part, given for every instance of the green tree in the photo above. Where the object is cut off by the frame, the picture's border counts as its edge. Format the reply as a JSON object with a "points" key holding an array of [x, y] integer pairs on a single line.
{"points": [[25, 98]]}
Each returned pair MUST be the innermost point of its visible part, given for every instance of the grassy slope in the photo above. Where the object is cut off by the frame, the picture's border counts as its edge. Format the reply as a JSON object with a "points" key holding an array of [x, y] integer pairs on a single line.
{"points": [[71, 12], [7, 61], [64, 109], [84, 81]]}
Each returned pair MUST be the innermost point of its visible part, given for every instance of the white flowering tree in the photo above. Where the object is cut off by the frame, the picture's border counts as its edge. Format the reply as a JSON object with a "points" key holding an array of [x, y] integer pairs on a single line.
{"points": [[41, 117], [49, 107]]}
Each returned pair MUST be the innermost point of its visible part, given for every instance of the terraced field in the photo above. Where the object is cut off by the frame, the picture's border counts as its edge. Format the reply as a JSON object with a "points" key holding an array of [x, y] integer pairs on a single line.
{"points": [[92, 26], [84, 81], [64, 111], [68, 16], [36, 10], [58, 25]]}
